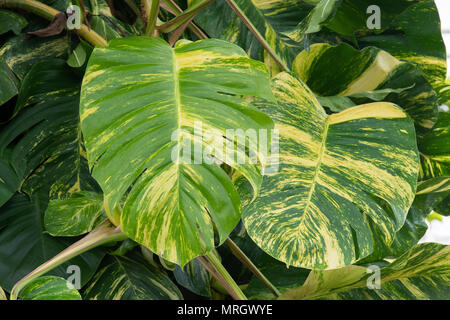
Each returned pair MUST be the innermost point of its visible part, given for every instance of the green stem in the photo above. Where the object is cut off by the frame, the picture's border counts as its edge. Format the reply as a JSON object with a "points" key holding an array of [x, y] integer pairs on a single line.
{"points": [[222, 275], [151, 11], [103, 233], [238, 253], [187, 15], [48, 13], [256, 33], [172, 7]]}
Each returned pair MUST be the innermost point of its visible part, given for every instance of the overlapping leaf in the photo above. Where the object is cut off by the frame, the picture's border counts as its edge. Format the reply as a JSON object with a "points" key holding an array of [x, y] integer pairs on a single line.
{"points": [[336, 172], [76, 215], [140, 103], [49, 288], [129, 279], [344, 71], [422, 273]]}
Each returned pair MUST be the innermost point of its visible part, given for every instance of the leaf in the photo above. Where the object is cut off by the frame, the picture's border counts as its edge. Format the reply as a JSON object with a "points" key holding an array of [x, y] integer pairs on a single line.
{"points": [[78, 56], [422, 273], [343, 71], [8, 83], [336, 173], [49, 288], [194, 277], [2, 294], [282, 277], [434, 194], [269, 18], [9, 181], [47, 151], [76, 215], [20, 54], [408, 38], [340, 103], [128, 279], [435, 149], [137, 94], [11, 21], [24, 245]]}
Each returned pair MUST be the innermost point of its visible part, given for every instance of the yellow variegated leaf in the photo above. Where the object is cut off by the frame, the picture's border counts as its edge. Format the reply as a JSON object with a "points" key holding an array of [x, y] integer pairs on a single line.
{"points": [[344, 71], [336, 172], [142, 103], [422, 273]]}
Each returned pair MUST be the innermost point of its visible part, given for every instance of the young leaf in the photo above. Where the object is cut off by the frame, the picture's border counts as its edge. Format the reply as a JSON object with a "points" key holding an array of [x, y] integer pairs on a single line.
{"points": [[49, 288], [138, 95], [76, 215], [336, 172], [344, 71]]}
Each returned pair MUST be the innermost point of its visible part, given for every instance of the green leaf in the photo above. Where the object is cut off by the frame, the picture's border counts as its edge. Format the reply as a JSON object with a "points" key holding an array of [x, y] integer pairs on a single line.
{"points": [[282, 277], [20, 54], [408, 38], [49, 288], [434, 194], [336, 173], [137, 95], [194, 277], [47, 151], [340, 103], [78, 56], [344, 71], [24, 245], [435, 149], [76, 215], [2, 294], [11, 21], [8, 83], [269, 18], [129, 279], [422, 273]]}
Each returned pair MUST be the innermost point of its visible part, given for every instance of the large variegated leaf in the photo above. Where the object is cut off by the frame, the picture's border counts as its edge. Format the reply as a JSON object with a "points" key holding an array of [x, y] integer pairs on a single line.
{"points": [[49, 288], [422, 273], [130, 279], [343, 71], [336, 173], [76, 215], [137, 94]]}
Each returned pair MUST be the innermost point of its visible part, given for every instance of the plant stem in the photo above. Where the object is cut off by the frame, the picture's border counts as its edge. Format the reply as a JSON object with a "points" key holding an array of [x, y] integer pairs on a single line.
{"points": [[238, 253], [217, 270], [256, 33], [187, 15], [151, 11], [48, 13], [103, 233]]}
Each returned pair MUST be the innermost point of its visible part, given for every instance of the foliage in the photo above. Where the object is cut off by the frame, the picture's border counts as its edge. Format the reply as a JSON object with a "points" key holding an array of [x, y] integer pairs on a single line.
{"points": [[321, 150]]}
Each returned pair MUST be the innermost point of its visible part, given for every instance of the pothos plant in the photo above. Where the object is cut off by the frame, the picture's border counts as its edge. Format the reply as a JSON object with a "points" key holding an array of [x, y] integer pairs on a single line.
{"points": [[92, 118]]}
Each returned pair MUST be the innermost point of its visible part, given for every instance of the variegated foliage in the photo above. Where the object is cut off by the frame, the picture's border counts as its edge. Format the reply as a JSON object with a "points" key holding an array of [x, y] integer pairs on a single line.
{"points": [[422, 273], [337, 172], [136, 94], [359, 75]]}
